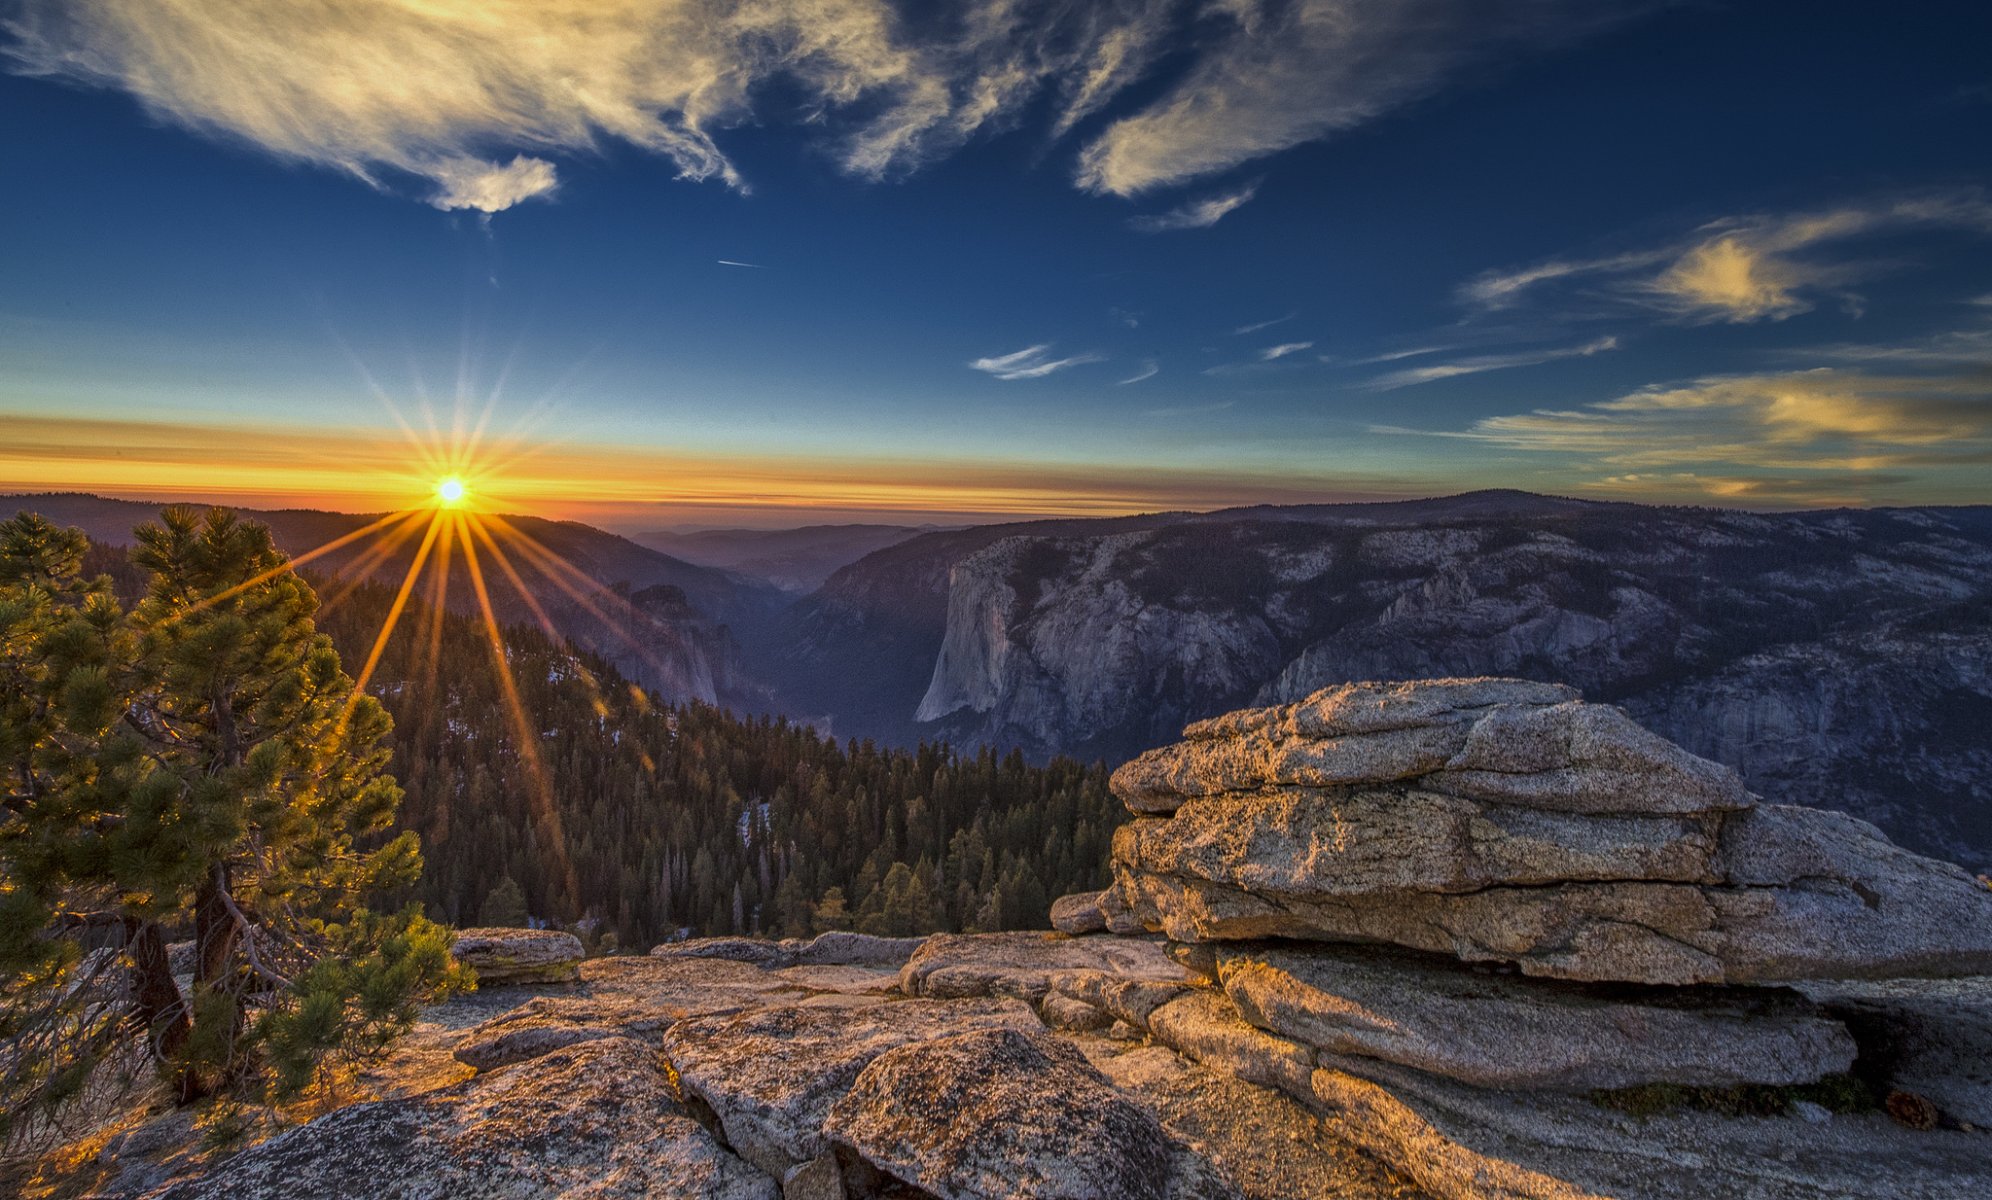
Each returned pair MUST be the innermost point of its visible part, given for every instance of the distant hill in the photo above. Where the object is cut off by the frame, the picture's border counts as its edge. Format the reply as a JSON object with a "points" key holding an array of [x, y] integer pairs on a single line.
{"points": [[671, 624], [795, 560], [1840, 658]]}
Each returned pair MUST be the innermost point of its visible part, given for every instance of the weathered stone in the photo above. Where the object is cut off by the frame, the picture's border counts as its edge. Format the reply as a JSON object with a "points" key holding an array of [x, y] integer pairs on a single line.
{"points": [[1504, 1031], [1078, 913], [1377, 707], [1587, 758], [833, 949], [1073, 1015], [503, 956], [1205, 1026], [1022, 964], [843, 949], [1559, 836], [770, 1075], [1567, 757], [1130, 1000], [641, 997], [1820, 894], [1270, 1144], [1161, 780], [758, 951], [1932, 1037], [594, 1120], [1308, 843], [1003, 1113], [516, 1041], [817, 1179], [1459, 1142], [1648, 933]]}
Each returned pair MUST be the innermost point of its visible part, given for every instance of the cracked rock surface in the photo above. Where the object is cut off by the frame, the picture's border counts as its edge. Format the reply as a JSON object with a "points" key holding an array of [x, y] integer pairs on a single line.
{"points": [[1503, 820]]}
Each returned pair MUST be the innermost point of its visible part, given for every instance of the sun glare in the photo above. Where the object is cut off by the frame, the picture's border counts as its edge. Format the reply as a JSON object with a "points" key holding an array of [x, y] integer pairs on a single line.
{"points": [[450, 492]]}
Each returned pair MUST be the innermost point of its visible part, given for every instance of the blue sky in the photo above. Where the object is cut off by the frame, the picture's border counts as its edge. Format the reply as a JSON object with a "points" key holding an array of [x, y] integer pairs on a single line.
{"points": [[1021, 258]]}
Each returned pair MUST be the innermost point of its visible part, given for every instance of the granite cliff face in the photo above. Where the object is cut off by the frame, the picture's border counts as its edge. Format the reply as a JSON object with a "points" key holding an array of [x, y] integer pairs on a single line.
{"points": [[1841, 651]]}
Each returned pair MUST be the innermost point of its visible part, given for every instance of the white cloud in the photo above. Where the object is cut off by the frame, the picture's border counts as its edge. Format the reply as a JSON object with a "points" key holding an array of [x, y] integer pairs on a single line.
{"points": [[481, 101], [1032, 362], [1290, 73], [1743, 269], [473, 96], [1486, 362], [488, 187], [1258, 325], [1283, 349], [1149, 370], [1737, 427], [1197, 214], [1503, 289]]}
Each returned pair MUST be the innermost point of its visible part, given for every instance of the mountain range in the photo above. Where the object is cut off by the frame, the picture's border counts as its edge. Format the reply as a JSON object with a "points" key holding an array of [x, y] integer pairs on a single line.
{"points": [[1835, 657]]}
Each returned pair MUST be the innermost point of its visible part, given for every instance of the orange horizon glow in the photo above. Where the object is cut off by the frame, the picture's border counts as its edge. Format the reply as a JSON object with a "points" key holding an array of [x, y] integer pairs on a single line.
{"points": [[351, 470]]}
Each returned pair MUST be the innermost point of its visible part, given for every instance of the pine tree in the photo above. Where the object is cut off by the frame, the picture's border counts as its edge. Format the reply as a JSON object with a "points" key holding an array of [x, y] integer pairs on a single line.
{"points": [[200, 763], [504, 905]]}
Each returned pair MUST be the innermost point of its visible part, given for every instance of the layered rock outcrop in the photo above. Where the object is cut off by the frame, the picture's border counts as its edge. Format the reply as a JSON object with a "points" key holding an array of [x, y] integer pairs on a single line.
{"points": [[1503, 820], [1462, 919]]}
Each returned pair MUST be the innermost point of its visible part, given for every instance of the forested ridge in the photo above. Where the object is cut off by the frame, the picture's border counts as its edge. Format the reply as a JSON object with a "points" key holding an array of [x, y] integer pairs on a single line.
{"points": [[665, 818], [669, 819]]}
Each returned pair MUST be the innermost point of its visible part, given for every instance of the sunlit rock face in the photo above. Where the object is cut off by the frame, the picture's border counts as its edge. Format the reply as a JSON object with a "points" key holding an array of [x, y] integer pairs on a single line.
{"points": [[1500, 820], [1831, 654]]}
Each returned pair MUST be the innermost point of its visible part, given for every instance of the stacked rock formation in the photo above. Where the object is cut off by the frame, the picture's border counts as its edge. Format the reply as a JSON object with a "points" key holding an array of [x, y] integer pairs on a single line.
{"points": [[1507, 821], [1449, 914]]}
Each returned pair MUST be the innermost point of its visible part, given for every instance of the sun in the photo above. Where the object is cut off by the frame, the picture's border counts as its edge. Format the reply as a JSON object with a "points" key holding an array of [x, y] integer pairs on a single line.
{"points": [[450, 492]]}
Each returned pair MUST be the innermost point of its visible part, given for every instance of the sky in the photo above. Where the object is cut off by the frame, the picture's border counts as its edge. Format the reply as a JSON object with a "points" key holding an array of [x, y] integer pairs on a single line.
{"points": [[657, 263]]}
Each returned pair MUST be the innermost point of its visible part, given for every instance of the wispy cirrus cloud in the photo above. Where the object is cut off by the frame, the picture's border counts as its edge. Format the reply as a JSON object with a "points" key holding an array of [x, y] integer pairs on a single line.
{"points": [[1149, 370], [1032, 362], [1742, 269], [1412, 376], [1272, 353], [1285, 74], [1767, 435], [1256, 326], [480, 101], [1197, 214]]}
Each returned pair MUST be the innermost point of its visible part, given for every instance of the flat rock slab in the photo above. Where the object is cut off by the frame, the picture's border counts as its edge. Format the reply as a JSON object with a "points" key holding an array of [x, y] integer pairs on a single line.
{"points": [[1004, 1113], [641, 997], [1505, 1031], [770, 1075], [1022, 964], [1466, 1143], [510, 956], [594, 1120], [1460, 1142], [835, 949], [1270, 1144]]}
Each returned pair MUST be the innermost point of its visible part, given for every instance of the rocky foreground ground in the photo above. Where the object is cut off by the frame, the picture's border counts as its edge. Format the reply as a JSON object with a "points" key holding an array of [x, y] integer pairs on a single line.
{"points": [[1460, 939]]}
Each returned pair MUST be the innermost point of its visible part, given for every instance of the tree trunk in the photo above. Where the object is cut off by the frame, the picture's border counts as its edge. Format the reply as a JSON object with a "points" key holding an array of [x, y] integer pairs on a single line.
{"points": [[215, 928], [161, 1008]]}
